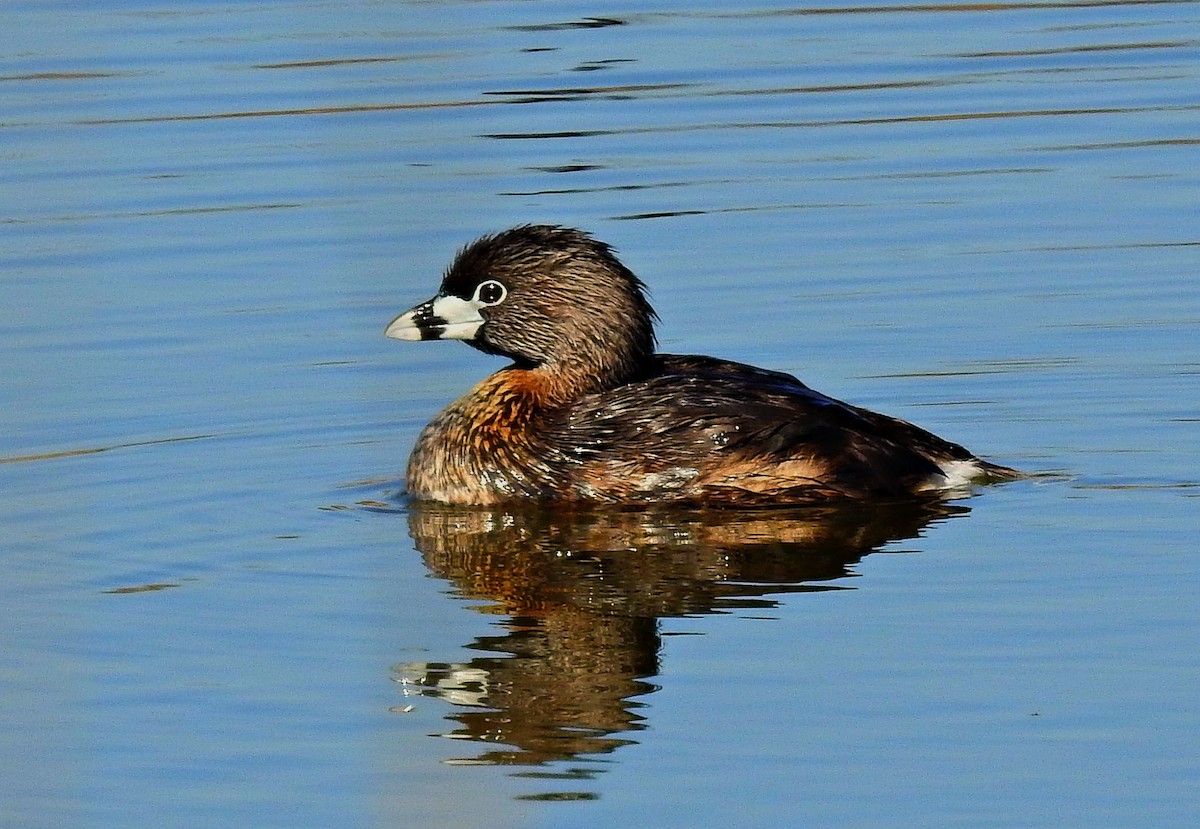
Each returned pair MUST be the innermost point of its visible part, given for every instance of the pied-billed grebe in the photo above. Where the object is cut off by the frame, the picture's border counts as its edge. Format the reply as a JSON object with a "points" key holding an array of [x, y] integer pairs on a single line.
{"points": [[588, 412]]}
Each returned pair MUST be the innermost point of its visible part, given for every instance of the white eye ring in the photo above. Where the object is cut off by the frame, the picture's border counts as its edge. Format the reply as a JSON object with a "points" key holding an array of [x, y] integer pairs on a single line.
{"points": [[489, 293]]}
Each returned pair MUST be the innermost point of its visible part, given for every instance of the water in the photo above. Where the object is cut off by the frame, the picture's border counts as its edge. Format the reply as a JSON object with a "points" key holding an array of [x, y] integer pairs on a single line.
{"points": [[217, 611]]}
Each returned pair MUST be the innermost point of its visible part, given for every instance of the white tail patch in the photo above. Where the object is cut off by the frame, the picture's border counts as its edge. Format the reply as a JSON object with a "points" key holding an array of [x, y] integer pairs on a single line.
{"points": [[956, 477]]}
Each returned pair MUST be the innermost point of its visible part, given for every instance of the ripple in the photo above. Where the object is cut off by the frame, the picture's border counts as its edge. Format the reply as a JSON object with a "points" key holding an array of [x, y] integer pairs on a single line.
{"points": [[95, 450]]}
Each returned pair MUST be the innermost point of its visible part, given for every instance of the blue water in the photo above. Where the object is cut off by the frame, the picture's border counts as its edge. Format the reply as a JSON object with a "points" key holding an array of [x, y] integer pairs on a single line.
{"points": [[217, 610]]}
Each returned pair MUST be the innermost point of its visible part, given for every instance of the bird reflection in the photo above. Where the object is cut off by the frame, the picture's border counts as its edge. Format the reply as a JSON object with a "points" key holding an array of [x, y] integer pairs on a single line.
{"points": [[581, 593]]}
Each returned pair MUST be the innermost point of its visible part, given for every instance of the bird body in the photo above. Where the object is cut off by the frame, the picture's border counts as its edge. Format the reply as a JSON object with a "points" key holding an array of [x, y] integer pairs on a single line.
{"points": [[588, 412]]}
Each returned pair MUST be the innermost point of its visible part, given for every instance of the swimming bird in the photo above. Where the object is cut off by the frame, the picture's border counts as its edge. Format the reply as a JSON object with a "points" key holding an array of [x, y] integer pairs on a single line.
{"points": [[589, 412]]}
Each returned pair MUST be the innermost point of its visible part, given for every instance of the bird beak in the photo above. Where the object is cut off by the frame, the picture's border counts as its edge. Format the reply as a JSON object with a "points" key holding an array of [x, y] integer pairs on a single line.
{"points": [[441, 318]]}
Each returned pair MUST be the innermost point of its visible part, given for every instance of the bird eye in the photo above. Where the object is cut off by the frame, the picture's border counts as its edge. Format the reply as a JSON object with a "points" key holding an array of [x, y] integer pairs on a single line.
{"points": [[490, 292]]}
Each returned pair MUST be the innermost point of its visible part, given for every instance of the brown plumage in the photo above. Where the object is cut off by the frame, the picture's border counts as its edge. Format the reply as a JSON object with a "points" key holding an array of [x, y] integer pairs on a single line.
{"points": [[588, 412]]}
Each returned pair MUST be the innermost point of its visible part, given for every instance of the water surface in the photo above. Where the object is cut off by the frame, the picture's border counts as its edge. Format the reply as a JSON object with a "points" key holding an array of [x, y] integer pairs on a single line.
{"points": [[218, 610]]}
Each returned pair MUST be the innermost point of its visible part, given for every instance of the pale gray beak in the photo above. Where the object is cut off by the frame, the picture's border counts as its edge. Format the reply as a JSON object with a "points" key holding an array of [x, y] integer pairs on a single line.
{"points": [[441, 318]]}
